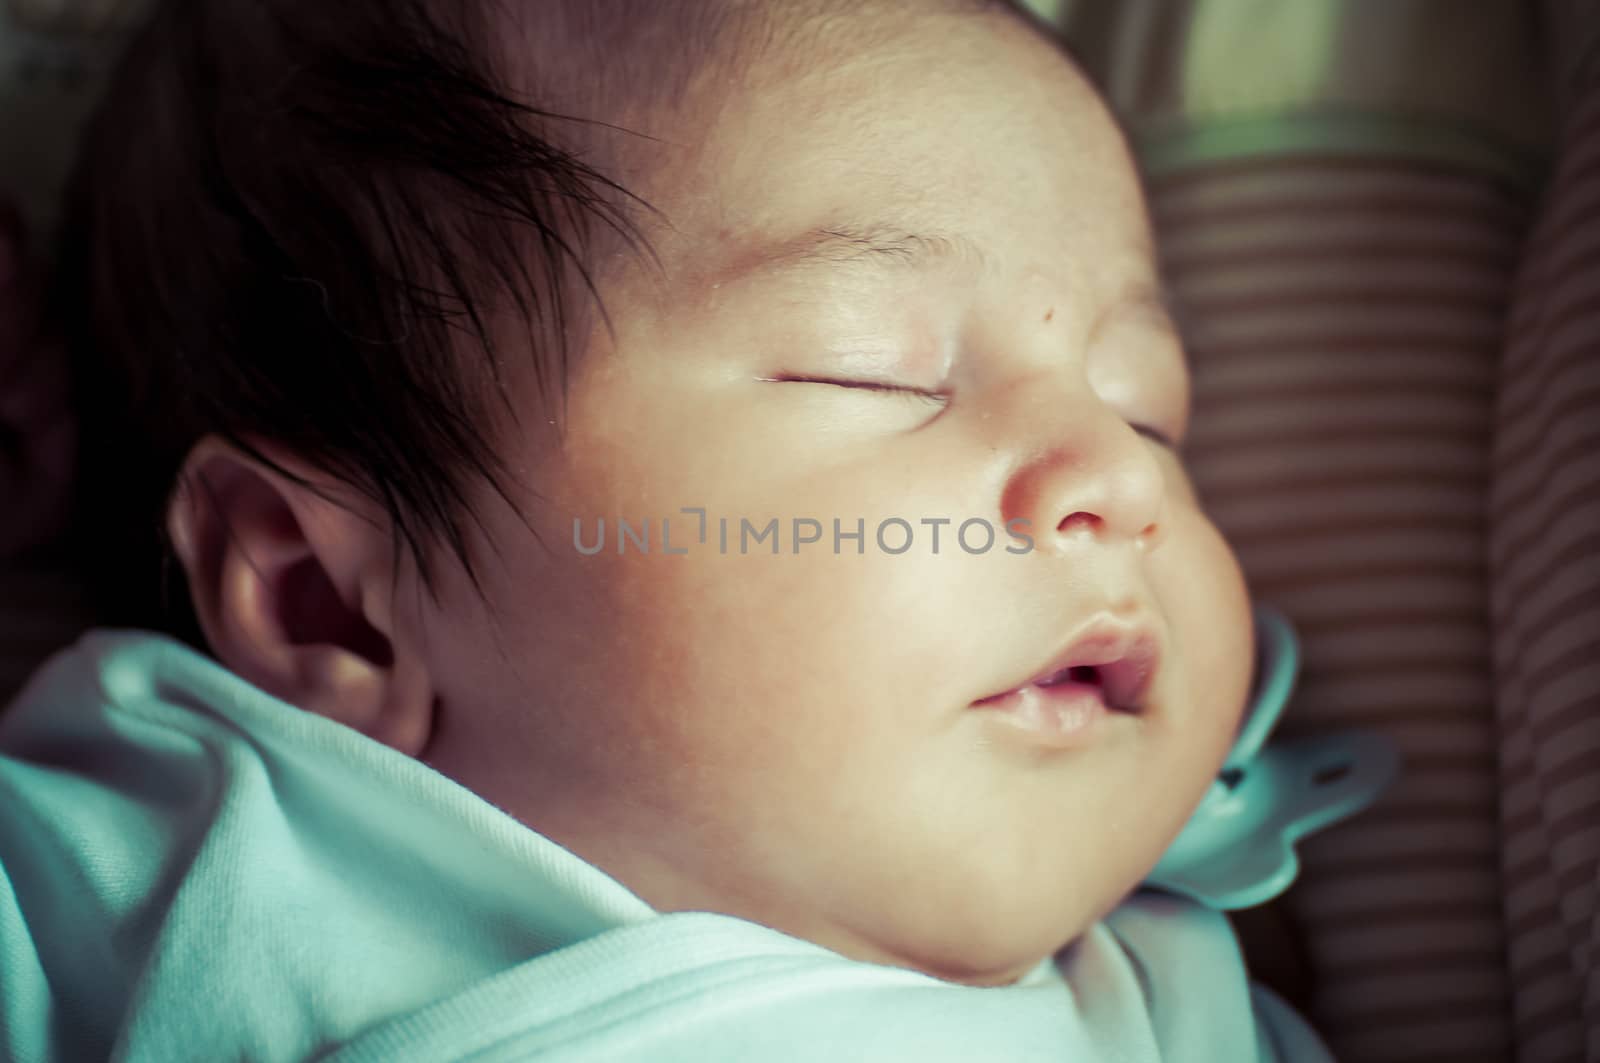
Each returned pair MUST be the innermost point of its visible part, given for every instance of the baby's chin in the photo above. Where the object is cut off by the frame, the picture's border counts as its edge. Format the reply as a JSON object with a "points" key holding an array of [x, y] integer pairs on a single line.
{"points": [[988, 976], [997, 954], [992, 979]]}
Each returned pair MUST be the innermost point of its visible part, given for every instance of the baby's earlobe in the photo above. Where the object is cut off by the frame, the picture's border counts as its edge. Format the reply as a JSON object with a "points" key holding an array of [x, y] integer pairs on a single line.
{"points": [[341, 686]]}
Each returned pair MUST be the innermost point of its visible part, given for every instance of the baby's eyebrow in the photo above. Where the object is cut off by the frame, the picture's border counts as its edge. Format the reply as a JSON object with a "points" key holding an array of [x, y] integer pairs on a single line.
{"points": [[889, 247], [866, 248], [884, 248]]}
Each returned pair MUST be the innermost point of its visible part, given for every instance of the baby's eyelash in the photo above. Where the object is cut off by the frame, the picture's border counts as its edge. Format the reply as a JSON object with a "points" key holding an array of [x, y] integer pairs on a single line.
{"points": [[866, 385], [1159, 437], [934, 396]]}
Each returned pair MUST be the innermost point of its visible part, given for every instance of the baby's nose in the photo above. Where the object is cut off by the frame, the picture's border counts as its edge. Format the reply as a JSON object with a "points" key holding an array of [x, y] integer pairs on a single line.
{"points": [[1084, 472]]}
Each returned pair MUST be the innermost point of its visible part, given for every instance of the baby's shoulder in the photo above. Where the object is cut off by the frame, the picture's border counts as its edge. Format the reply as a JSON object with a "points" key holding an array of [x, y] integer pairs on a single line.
{"points": [[1191, 967]]}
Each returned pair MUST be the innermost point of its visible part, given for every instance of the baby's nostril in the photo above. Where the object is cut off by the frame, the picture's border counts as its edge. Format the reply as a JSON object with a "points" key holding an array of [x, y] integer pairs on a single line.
{"points": [[1084, 673]]}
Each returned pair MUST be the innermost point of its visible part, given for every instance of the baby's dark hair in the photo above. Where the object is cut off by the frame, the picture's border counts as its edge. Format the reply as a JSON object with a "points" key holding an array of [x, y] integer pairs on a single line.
{"points": [[307, 222], [293, 220]]}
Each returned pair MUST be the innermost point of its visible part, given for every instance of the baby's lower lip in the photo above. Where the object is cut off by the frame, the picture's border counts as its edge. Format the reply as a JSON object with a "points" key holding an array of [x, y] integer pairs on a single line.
{"points": [[1062, 716]]}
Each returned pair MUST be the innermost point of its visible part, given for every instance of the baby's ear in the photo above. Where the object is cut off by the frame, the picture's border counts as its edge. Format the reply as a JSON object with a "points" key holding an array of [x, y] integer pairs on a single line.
{"points": [[293, 591]]}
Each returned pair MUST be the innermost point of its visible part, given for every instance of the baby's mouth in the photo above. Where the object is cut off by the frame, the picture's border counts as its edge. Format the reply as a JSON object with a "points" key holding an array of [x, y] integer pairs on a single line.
{"points": [[1066, 709], [1076, 673], [1073, 679], [1115, 663]]}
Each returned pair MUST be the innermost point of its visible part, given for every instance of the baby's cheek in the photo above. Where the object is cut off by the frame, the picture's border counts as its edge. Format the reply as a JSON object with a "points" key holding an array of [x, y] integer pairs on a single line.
{"points": [[1207, 604], [1180, 484], [709, 627], [743, 695]]}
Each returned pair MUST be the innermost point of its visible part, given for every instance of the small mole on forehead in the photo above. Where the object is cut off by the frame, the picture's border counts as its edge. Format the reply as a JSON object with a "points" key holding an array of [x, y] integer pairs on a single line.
{"points": [[1051, 314]]}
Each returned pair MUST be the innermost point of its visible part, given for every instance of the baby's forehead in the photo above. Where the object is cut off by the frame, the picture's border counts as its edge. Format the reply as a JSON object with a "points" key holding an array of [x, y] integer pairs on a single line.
{"points": [[625, 58], [617, 61], [725, 207]]}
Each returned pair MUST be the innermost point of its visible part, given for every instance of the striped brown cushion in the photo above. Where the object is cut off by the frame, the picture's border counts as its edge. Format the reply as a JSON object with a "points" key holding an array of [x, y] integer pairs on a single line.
{"points": [[1344, 317], [1544, 547]]}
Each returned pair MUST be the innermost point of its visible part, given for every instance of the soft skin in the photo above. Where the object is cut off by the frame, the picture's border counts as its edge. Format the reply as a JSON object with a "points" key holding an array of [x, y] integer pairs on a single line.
{"points": [[791, 738]]}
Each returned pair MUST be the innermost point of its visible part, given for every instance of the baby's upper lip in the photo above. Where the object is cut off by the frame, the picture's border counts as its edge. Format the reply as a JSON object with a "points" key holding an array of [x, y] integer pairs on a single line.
{"points": [[1124, 654]]}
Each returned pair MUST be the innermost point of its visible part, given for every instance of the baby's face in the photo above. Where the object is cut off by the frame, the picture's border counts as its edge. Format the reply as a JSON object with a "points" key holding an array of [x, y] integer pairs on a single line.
{"points": [[792, 738]]}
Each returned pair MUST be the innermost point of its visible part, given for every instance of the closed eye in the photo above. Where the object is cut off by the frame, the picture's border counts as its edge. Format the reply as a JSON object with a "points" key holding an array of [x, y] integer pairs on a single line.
{"points": [[937, 397], [1159, 437]]}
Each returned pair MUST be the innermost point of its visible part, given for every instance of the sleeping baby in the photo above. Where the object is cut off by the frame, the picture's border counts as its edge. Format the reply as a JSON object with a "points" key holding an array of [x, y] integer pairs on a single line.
{"points": [[684, 545]]}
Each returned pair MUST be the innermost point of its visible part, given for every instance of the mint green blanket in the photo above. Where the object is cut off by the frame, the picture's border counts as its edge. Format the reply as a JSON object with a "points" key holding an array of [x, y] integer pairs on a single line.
{"points": [[191, 869]]}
